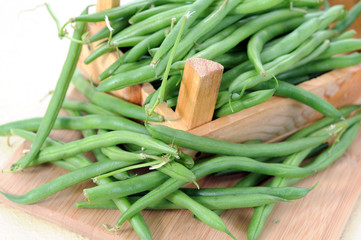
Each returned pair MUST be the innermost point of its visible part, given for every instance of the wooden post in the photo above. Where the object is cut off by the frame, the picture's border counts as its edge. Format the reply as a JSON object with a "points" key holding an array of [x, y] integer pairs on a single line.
{"points": [[198, 92]]}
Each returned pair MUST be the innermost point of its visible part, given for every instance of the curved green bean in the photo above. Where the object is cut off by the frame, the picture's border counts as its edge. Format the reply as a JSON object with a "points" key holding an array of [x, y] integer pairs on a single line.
{"points": [[308, 98], [247, 101], [57, 97], [204, 144]]}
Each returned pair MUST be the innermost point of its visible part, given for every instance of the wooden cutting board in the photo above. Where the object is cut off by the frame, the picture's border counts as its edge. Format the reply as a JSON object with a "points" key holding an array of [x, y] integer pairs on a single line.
{"points": [[322, 214]]}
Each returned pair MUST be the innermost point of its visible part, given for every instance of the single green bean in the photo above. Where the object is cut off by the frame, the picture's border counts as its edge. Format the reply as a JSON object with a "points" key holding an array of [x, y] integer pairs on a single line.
{"points": [[203, 214], [63, 182], [58, 95], [308, 98], [250, 100], [78, 123], [341, 46], [100, 141], [350, 18], [106, 48], [86, 107], [234, 201], [142, 48], [204, 144], [143, 15]]}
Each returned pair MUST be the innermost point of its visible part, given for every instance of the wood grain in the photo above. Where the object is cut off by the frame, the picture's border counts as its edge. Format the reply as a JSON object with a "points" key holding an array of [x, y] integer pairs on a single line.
{"points": [[322, 214]]}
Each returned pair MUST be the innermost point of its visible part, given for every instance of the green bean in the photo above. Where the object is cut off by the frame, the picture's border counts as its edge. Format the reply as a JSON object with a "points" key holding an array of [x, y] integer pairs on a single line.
{"points": [[204, 144], [234, 201], [226, 22], [324, 65], [203, 214], [193, 12], [126, 187], [76, 161], [261, 213], [111, 103], [100, 141], [133, 77], [57, 97], [118, 154], [346, 35], [117, 25], [116, 12], [255, 6], [245, 102], [124, 67], [178, 171], [289, 193], [257, 41], [281, 64], [185, 160], [111, 69], [172, 86], [229, 60], [233, 73], [63, 182], [87, 107], [78, 123], [315, 54], [106, 48], [142, 48], [350, 18], [143, 15], [247, 30], [308, 98], [345, 111], [341, 46]]}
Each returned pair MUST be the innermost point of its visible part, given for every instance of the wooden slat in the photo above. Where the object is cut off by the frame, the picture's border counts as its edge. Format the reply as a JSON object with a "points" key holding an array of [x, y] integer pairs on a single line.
{"points": [[198, 91]]}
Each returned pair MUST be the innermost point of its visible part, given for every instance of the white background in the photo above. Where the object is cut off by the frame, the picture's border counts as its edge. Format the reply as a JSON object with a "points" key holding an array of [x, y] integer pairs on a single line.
{"points": [[31, 58]]}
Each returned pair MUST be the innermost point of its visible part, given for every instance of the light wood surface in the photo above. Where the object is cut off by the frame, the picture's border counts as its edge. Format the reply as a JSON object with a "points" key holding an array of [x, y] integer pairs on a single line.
{"points": [[198, 91]]}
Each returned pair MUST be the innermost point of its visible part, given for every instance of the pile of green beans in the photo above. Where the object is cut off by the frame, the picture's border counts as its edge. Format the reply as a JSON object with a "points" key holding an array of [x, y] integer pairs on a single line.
{"points": [[218, 32], [265, 46]]}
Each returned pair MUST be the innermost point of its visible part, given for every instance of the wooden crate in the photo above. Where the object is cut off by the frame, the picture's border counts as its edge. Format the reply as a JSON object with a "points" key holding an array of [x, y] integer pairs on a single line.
{"points": [[269, 121]]}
